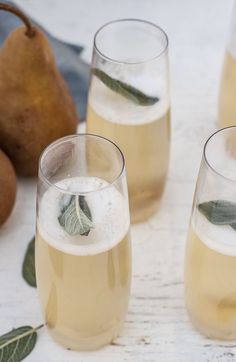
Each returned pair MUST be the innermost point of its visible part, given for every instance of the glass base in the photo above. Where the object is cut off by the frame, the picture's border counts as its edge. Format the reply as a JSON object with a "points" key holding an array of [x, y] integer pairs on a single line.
{"points": [[225, 333], [79, 343], [145, 203], [141, 213]]}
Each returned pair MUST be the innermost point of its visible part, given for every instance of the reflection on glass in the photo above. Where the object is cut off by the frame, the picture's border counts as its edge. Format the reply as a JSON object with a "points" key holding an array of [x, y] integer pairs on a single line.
{"points": [[210, 284], [129, 104], [83, 257]]}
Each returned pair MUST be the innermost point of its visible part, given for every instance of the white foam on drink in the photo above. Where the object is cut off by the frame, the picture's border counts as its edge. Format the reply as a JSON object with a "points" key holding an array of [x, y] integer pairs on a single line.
{"points": [[220, 238], [117, 109], [110, 216]]}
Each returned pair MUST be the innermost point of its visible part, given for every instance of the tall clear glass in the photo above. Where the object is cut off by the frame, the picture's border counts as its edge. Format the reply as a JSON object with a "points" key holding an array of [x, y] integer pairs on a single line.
{"points": [[210, 268], [227, 91], [129, 103], [83, 256]]}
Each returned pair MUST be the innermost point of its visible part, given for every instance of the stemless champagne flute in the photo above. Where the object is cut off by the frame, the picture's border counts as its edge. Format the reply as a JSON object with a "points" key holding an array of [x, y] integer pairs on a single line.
{"points": [[210, 266], [129, 103], [83, 257], [227, 104]]}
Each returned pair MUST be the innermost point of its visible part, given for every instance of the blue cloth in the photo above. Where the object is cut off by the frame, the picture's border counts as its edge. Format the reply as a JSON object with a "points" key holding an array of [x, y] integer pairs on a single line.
{"points": [[74, 71]]}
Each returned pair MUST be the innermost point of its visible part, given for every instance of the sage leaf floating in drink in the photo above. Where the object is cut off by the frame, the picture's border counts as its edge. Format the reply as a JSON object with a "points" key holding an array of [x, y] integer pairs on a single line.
{"points": [[28, 268], [76, 218], [18, 343], [124, 89], [219, 212]]}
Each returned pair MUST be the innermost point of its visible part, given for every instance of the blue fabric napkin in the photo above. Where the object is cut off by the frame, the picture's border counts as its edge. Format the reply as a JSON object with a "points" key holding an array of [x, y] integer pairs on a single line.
{"points": [[74, 71]]}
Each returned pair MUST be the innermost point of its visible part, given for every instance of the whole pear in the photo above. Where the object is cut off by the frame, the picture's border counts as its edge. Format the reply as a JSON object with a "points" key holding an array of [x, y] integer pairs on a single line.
{"points": [[7, 187], [35, 106]]}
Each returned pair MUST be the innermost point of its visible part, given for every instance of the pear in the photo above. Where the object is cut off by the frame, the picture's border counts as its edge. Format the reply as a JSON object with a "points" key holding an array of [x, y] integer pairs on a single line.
{"points": [[7, 187], [35, 106]]}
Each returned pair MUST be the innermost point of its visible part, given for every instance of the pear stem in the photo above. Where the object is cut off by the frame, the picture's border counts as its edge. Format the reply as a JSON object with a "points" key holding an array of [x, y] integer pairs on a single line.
{"points": [[30, 31]]}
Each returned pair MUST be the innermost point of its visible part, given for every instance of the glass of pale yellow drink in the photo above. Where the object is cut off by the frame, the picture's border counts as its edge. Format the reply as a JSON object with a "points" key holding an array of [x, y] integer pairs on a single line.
{"points": [[83, 254], [129, 103], [210, 265], [227, 90], [227, 104]]}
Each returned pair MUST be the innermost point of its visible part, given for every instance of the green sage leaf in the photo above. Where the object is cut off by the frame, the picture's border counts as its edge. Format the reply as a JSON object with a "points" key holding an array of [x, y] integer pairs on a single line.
{"points": [[219, 212], [75, 217], [17, 344], [124, 89], [28, 268]]}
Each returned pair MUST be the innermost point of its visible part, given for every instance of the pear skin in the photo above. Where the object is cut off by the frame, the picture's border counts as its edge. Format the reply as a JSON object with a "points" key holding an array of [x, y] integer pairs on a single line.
{"points": [[7, 187], [35, 105]]}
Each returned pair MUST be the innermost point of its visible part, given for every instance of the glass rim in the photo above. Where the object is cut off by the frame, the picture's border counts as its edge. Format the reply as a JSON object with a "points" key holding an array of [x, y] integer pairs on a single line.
{"points": [[213, 169], [104, 56], [62, 140]]}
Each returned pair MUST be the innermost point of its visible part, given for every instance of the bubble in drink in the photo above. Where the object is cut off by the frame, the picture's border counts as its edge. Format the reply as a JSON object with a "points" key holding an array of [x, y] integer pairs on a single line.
{"points": [[84, 281], [210, 284], [142, 133], [227, 104]]}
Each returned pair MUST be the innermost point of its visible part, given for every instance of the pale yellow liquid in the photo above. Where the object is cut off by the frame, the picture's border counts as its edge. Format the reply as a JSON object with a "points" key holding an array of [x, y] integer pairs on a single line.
{"points": [[146, 151], [210, 289], [84, 298], [227, 103]]}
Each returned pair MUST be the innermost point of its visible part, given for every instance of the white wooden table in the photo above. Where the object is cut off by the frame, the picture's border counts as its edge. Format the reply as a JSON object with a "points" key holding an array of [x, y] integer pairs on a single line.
{"points": [[157, 326]]}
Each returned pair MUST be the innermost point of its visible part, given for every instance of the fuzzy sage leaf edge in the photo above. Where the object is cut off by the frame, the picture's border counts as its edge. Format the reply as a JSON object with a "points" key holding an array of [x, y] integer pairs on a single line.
{"points": [[124, 89], [28, 267], [76, 217], [219, 212], [18, 343]]}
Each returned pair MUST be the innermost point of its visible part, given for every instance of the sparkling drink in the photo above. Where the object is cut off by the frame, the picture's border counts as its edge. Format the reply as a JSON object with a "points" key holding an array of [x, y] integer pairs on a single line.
{"points": [[210, 261], [129, 103], [84, 288], [227, 107], [227, 104], [144, 137], [83, 276], [210, 279]]}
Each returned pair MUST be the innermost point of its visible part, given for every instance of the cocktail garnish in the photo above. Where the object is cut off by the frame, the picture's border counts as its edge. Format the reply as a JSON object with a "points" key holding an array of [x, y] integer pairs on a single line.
{"points": [[124, 89], [75, 217], [219, 212]]}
